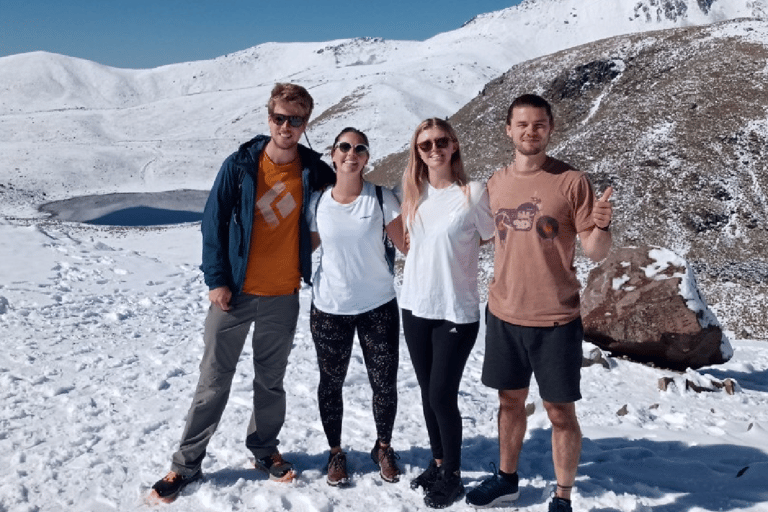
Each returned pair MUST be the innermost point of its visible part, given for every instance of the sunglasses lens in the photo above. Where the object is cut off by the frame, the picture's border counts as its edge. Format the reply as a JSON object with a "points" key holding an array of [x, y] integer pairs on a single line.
{"points": [[294, 121], [440, 143], [344, 147]]}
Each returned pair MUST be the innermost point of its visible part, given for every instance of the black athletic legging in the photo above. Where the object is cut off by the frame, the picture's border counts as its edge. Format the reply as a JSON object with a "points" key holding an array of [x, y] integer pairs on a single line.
{"points": [[439, 351], [379, 334]]}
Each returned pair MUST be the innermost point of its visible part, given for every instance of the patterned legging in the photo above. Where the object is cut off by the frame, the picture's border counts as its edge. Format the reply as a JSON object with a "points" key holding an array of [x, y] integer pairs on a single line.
{"points": [[379, 334]]}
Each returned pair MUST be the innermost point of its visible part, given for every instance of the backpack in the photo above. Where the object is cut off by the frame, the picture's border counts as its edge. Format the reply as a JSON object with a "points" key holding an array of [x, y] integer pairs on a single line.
{"points": [[389, 247]]}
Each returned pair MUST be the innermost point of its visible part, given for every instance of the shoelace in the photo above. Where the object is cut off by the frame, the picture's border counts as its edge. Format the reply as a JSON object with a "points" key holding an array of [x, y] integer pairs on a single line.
{"points": [[337, 461], [488, 482], [172, 476], [275, 460], [391, 455], [388, 454], [444, 486]]}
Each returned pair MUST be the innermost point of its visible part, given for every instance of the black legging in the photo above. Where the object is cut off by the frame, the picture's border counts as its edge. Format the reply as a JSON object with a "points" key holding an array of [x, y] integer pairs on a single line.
{"points": [[379, 334], [439, 350]]}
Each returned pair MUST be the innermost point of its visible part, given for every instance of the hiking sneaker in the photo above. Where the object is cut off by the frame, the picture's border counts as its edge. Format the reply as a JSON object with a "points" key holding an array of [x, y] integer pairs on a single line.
{"points": [[494, 491], [276, 467], [560, 505], [446, 490], [428, 478], [168, 488], [337, 470], [386, 459]]}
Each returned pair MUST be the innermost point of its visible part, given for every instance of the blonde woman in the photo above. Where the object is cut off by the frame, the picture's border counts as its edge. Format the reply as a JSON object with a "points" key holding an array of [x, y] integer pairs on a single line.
{"points": [[446, 217]]}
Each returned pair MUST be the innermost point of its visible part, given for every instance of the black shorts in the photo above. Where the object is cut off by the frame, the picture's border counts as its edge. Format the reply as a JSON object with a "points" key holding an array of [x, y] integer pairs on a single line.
{"points": [[553, 354]]}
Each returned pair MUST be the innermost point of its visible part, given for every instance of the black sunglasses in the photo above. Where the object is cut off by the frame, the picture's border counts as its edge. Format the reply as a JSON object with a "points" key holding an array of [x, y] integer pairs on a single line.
{"points": [[344, 147], [294, 121], [440, 143]]}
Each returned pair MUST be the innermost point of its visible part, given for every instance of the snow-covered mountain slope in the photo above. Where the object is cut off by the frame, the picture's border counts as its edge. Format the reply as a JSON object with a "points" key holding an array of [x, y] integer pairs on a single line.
{"points": [[681, 137], [64, 122]]}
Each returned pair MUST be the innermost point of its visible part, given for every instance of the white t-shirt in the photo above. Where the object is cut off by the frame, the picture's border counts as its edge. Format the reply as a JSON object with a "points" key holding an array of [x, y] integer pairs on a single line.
{"points": [[353, 275], [440, 275]]}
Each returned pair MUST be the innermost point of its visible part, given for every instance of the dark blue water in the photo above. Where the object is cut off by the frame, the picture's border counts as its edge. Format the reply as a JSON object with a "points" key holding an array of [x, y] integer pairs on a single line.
{"points": [[146, 216]]}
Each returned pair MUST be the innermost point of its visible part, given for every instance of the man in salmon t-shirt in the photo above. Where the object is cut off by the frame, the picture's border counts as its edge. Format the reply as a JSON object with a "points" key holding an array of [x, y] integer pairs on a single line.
{"points": [[256, 250], [533, 327]]}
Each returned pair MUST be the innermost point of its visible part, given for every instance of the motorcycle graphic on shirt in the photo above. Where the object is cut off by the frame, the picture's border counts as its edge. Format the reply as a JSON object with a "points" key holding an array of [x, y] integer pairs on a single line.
{"points": [[525, 217]]}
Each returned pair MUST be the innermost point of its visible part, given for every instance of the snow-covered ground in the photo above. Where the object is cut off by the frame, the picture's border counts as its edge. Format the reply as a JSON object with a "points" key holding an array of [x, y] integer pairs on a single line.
{"points": [[102, 335]]}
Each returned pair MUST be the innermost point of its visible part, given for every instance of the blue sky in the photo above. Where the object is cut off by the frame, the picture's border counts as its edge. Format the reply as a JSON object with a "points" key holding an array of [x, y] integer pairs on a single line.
{"points": [[150, 33]]}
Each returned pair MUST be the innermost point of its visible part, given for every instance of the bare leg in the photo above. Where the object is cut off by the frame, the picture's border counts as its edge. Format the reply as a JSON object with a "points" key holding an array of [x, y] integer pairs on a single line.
{"points": [[566, 445], [512, 425]]}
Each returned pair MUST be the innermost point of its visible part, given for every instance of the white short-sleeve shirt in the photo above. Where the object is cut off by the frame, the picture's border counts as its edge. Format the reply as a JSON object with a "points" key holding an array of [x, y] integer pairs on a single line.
{"points": [[440, 275], [352, 276]]}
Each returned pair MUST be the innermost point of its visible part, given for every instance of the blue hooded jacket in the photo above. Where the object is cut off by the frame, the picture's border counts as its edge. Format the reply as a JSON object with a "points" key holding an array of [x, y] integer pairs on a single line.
{"points": [[228, 215]]}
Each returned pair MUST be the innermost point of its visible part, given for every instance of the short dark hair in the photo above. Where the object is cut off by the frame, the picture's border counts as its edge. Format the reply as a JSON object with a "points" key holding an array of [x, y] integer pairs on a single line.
{"points": [[291, 93], [530, 100]]}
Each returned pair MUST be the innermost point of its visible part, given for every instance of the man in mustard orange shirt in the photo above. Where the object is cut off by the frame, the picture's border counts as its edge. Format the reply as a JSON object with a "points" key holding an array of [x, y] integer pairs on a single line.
{"points": [[256, 251]]}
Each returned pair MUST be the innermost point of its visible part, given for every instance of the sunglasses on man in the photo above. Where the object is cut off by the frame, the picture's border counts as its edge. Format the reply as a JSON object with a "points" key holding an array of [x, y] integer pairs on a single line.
{"points": [[440, 143], [294, 121], [344, 147]]}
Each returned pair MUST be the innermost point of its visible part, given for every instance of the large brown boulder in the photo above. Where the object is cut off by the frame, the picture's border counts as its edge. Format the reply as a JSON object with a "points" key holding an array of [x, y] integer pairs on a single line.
{"points": [[643, 303]]}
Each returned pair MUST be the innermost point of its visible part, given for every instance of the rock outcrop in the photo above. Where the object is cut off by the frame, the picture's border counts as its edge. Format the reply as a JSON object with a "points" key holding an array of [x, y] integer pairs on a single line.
{"points": [[643, 303]]}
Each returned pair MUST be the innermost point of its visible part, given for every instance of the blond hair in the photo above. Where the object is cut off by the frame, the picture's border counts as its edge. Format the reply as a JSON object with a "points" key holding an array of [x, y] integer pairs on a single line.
{"points": [[291, 93], [416, 174]]}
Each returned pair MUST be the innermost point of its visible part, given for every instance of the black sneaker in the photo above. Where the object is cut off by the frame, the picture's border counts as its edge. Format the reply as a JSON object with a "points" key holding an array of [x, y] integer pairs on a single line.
{"points": [[560, 505], [168, 488], [428, 478], [337, 470], [494, 491], [386, 459], [445, 491], [276, 467]]}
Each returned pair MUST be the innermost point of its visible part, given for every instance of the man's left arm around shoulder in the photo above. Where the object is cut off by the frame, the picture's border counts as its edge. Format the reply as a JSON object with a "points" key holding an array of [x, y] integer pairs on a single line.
{"points": [[321, 174], [596, 241]]}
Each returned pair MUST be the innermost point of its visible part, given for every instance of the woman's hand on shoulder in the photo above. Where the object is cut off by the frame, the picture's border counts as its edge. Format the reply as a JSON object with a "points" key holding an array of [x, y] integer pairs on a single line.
{"points": [[397, 234]]}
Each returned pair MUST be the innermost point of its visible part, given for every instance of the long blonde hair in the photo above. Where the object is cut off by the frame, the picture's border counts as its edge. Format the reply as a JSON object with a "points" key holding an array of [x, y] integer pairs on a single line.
{"points": [[416, 175]]}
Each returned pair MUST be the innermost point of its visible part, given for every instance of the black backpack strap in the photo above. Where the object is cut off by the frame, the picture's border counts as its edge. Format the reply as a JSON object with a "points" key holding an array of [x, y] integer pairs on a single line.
{"points": [[389, 247], [322, 191]]}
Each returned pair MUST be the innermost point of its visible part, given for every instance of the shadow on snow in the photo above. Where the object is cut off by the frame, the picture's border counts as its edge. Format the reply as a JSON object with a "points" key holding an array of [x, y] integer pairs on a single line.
{"points": [[712, 477]]}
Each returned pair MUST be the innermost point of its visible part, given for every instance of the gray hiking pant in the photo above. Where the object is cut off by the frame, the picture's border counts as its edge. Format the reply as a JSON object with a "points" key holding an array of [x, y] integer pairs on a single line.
{"points": [[274, 320]]}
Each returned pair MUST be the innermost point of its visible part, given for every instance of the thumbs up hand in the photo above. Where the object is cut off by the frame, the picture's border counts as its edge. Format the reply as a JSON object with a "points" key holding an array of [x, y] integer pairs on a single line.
{"points": [[602, 211]]}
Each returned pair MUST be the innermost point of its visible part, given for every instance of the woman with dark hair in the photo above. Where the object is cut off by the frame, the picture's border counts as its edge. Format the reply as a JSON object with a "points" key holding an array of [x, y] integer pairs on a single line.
{"points": [[446, 217], [353, 290]]}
